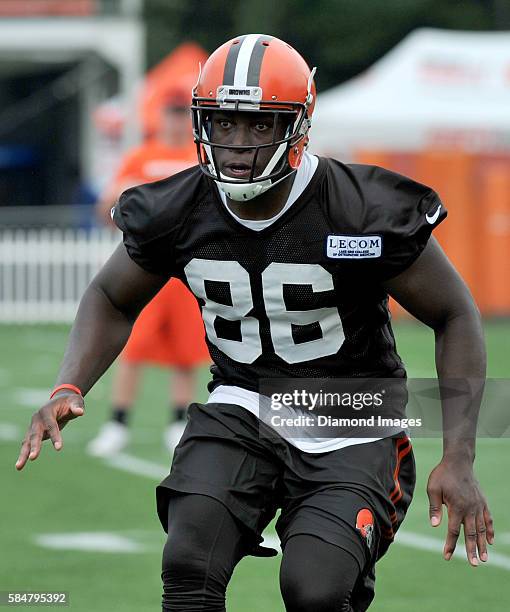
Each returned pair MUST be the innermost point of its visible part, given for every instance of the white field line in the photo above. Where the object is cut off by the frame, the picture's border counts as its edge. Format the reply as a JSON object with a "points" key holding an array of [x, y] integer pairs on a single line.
{"points": [[271, 541], [30, 398], [410, 539], [9, 432], [112, 542], [422, 542], [89, 541], [134, 465]]}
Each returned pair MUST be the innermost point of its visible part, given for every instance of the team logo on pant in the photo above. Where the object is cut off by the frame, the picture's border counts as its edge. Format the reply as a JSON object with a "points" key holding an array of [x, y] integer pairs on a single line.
{"points": [[365, 525]]}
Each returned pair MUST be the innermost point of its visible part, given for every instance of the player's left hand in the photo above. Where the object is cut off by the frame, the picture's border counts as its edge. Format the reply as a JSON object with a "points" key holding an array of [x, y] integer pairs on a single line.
{"points": [[453, 483]]}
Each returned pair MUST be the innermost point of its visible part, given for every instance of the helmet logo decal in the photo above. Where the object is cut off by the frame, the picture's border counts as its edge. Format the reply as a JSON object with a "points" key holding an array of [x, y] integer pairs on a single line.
{"points": [[365, 525], [228, 95]]}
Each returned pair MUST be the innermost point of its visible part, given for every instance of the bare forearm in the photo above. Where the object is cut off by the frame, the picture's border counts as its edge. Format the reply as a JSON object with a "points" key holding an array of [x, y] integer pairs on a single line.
{"points": [[461, 368], [99, 333]]}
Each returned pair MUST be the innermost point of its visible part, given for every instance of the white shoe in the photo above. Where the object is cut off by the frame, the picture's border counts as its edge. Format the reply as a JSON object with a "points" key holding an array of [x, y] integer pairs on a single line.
{"points": [[173, 434], [111, 439]]}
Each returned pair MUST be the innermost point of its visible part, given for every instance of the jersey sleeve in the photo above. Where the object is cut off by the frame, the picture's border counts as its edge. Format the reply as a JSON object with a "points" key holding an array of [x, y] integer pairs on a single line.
{"points": [[399, 210], [151, 216]]}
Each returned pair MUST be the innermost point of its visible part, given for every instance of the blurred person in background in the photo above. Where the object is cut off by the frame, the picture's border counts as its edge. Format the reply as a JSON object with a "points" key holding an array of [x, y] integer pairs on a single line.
{"points": [[169, 331]]}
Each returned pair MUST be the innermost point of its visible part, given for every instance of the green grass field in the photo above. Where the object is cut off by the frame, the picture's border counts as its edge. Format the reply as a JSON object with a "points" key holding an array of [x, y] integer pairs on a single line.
{"points": [[70, 494]]}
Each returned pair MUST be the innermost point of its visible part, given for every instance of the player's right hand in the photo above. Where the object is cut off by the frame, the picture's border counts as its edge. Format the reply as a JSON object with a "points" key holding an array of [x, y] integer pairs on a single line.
{"points": [[47, 423]]}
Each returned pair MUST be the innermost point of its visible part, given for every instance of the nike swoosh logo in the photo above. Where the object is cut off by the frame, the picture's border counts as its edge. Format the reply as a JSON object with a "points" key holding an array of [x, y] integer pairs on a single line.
{"points": [[432, 219]]}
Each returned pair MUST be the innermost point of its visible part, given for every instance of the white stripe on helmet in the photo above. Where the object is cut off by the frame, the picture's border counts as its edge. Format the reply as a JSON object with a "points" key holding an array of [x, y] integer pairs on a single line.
{"points": [[243, 59]]}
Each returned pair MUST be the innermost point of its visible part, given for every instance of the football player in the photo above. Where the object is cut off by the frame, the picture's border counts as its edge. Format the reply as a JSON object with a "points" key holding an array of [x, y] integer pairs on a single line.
{"points": [[292, 258]]}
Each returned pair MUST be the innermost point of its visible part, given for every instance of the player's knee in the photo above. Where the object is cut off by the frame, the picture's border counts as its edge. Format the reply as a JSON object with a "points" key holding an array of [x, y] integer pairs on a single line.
{"points": [[303, 597], [316, 576], [181, 557], [190, 582], [195, 568], [184, 550]]}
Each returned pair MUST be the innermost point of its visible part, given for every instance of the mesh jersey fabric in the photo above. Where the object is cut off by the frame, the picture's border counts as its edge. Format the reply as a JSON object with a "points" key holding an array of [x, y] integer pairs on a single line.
{"points": [[275, 304]]}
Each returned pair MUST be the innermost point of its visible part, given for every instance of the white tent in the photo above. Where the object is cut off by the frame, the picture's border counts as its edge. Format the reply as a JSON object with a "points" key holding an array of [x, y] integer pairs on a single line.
{"points": [[436, 88]]}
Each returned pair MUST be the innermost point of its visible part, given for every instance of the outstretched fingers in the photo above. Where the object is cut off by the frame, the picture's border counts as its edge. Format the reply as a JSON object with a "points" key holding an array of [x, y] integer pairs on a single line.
{"points": [[52, 431], [31, 445], [481, 537], [471, 537], [489, 524], [453, 533], [435, 506], [45, 425], [24, 453]]}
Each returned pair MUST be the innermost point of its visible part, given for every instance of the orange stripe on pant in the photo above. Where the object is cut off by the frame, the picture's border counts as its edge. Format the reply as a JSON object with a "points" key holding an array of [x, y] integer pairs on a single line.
{"points": [[403, 448], [396, 494]]}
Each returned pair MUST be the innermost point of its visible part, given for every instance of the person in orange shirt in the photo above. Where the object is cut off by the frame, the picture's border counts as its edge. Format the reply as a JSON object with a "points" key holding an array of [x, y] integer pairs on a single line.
{"points": [[169, 331]]}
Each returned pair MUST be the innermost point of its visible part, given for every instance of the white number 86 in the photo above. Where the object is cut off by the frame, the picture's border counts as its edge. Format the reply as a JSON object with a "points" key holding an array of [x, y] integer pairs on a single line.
{"points": [[274, 277]]}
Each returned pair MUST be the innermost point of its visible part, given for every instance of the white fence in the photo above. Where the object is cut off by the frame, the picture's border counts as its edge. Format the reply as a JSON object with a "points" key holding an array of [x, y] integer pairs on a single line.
{"points": [[44, 272]]}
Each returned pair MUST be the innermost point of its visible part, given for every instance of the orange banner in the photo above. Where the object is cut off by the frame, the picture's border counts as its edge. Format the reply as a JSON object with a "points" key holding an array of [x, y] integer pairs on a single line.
{"points": [[476, 235]]}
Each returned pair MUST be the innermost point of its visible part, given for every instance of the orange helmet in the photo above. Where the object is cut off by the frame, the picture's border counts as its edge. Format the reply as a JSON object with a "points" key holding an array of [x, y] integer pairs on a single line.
{"points": [[255, 73]]}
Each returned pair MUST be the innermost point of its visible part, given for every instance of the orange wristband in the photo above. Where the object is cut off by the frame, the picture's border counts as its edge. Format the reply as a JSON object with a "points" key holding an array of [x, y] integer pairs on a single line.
{"points": [[65, 386]]}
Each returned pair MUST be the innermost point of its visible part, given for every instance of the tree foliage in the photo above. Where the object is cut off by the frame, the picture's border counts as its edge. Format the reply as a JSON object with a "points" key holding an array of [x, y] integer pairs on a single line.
{"points": [[341, 37]]}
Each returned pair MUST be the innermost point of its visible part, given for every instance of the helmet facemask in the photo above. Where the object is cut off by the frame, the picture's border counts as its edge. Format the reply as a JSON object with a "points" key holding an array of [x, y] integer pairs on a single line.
{"points": [[290, 127]]}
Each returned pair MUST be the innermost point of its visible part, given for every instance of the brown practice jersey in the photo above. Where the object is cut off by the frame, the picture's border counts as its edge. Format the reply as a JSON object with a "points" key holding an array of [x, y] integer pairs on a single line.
{"points": [[302, 297]]}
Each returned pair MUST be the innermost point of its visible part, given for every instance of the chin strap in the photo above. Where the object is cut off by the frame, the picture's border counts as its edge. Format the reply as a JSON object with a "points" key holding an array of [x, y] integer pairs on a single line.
{"points": [[243, 192]]}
